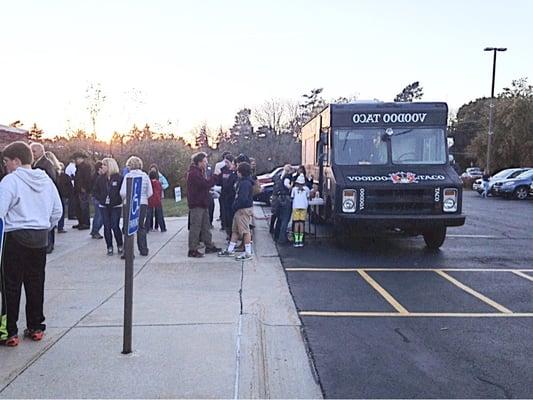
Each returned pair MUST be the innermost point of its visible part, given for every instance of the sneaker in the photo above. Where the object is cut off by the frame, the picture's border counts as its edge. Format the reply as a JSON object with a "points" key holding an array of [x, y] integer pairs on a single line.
{"points": [[194, 254], [75, 226], [120, 250], [295, 244], [61, 231], [212, 249], [34, 334], [244, 257], [110, 251], [226, 253], [96, 236], [83, 227], [12, 341]]}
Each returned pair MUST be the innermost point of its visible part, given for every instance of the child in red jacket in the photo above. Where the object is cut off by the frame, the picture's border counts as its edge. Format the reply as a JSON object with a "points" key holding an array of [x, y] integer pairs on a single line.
{"points": [[154, 203]]}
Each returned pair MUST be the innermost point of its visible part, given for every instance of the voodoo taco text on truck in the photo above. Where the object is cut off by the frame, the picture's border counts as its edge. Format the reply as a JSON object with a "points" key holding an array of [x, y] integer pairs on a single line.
{"points": [[384, 166]]}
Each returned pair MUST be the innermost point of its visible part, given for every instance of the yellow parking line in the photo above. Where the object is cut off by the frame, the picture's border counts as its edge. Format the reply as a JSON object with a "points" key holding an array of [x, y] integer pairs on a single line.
{"points": [[471, 291], [321, 269], [520, 273], [409, 314], [391, 300]]}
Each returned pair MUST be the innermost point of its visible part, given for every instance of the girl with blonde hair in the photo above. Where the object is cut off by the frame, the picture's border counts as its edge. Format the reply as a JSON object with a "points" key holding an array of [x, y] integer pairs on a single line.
{"points": [[107, 193]]}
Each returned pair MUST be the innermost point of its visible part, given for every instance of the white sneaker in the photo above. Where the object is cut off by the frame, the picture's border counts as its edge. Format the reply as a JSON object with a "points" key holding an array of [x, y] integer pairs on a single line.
{"points": [[226, 253], [244, 257]]}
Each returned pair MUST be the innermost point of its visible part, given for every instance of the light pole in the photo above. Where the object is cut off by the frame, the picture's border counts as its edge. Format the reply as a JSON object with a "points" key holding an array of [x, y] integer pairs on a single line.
{"points": [[491, 106]]}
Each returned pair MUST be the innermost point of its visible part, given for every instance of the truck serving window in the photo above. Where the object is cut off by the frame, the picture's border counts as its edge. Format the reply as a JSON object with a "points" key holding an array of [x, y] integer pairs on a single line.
{"points": [[418, 146], [359, 147]]}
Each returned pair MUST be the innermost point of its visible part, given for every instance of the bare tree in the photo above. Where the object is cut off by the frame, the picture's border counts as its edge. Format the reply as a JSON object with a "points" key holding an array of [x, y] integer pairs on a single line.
{"points": [[95, 101], [272, 113]]}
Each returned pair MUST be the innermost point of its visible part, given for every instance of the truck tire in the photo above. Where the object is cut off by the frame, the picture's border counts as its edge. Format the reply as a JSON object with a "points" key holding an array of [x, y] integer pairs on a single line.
{"points": [[521, 193], [434, 238]]}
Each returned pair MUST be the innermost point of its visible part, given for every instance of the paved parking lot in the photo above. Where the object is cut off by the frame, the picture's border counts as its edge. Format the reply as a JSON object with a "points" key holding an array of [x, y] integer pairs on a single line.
{"points": [[387, 318]]}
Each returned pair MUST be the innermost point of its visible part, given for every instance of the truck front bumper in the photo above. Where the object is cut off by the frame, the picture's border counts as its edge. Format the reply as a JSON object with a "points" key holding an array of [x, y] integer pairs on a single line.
{"points": [[407, 222]]}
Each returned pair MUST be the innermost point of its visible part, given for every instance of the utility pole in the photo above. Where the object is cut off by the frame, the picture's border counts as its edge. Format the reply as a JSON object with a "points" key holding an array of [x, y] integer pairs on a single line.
{"points": [[491, 105]]}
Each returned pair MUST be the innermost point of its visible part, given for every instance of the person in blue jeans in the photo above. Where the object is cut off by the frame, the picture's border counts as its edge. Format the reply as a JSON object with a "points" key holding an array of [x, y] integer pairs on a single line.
{"points": [[107, 193], [97, 220]]}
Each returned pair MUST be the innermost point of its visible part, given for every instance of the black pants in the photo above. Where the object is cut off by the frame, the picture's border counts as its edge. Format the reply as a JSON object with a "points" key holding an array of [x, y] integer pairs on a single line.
{"points": [[142, 243], [22, 266], [156, 212], [211, 209], [84, 213]]}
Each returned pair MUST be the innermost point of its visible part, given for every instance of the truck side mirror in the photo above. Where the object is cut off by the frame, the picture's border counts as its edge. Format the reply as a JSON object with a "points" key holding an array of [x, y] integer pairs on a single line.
{"points": [[324, 138]]}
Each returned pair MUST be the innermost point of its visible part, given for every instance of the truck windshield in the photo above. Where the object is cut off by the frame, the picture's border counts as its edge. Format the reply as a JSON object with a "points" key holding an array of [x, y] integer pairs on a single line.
{"points": [[418, 146], [359, 147]]}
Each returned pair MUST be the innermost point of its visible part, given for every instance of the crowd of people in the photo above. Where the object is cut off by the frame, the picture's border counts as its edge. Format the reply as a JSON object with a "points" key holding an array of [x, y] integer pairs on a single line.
{"points": [[37, 194]]}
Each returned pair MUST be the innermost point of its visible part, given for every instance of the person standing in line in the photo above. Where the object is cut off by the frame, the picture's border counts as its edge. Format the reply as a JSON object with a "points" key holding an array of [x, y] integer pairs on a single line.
{"points": [[98, 221], [65, 188], [70, 170], [30, 206], [135, 165], [82, 188], [41, 161], [164, 186], [300, 202], [155, 206], [107, 193], [283, 192], [226, 180], [243, 207], [198, 198]]}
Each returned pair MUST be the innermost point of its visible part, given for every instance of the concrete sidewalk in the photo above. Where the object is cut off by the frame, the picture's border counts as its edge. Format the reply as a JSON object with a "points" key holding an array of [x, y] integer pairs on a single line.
{"points": [[203, 328]]}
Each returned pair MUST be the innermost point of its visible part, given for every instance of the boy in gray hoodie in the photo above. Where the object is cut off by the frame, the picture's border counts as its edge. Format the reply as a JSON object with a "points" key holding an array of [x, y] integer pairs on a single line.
{"points": [[30, 206]]}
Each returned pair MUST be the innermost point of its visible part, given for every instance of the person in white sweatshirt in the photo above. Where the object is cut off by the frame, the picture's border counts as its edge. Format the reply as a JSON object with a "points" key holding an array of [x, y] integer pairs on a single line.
{"points": [[135, 165], [30, 206]]}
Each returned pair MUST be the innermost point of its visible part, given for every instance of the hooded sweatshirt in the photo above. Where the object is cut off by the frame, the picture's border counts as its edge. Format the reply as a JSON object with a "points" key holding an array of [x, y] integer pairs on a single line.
{"points": [[29, 201], [146, 189]]}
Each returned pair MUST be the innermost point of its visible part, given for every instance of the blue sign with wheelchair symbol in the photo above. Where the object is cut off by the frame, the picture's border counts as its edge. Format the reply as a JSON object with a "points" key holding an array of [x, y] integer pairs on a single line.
{"points": [[135, 205]]}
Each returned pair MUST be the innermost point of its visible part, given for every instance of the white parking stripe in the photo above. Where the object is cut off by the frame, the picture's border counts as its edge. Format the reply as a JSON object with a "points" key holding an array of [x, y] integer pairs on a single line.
{"points": [[520, 273], [474, 236]]}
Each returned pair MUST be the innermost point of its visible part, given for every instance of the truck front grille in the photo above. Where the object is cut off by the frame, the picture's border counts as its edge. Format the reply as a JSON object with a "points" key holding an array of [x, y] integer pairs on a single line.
{"points": [[400, 201]]}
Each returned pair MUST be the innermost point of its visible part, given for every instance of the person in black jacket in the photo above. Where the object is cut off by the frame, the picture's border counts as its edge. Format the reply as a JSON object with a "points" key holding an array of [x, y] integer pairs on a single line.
{"points": [[243, 208], [227, 179], [42, 162], [65, 188], [83, 181], [107, 194], [97, 220]]}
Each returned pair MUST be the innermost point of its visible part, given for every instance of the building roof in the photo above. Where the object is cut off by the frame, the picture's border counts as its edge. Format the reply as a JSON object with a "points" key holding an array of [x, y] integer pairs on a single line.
{"points": [[9, 129]]}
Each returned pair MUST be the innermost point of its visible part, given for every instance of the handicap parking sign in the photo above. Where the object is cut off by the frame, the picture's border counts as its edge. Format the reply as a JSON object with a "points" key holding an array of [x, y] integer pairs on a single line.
{"points": [[135, 205]]}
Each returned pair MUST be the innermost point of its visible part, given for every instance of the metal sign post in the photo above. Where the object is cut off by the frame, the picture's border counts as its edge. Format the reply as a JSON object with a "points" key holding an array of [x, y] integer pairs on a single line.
{"points": [[133, 207]]}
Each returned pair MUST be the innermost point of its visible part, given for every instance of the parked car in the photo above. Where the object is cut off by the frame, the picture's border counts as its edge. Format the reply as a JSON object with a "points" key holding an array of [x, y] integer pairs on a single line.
{"points": [[267, 184], [508, 173], [517, 187], [531, 189], [470, 175]]}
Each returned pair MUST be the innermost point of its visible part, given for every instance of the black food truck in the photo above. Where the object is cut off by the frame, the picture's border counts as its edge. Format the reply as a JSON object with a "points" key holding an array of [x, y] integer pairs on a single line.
{"points": [[384, 166]]}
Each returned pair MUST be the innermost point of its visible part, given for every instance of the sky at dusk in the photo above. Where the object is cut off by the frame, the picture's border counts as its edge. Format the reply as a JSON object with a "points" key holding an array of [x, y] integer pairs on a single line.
{"points": [[194, 62]]}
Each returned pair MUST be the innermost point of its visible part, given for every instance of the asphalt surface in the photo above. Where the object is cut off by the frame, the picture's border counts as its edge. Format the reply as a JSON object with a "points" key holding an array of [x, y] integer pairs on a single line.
{"points": [[415, 323]]}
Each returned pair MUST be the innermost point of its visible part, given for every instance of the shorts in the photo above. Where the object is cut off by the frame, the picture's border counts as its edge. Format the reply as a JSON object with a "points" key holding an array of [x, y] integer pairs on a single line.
{"points": [[299, 214], [242, 221]]}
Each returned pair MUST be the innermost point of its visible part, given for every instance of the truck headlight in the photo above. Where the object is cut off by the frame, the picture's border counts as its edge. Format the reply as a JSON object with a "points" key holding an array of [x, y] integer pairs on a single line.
{"points": [[449, 201], [348, 200]]}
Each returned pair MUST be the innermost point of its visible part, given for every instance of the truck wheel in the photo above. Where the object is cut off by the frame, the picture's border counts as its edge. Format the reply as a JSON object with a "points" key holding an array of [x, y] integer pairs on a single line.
{"points": [[521, 193], [435, 237]]}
